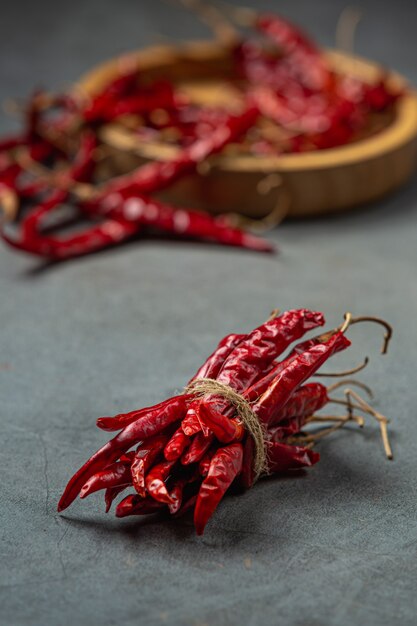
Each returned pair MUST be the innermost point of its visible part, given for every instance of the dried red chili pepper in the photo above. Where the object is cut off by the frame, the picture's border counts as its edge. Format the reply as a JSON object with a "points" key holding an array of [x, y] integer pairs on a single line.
{"points": [[261, 347], [143, 460], [116, 475], [124, 419], [110, 452], [176, 445], [135, 505], [282, 458], [225, 465], [207, 467], [196, 450], [294, 375], [155, 482]]}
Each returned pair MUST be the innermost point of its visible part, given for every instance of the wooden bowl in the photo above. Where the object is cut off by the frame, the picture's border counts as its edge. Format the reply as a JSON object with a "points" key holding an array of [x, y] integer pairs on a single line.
{"points": [[300, 185]]}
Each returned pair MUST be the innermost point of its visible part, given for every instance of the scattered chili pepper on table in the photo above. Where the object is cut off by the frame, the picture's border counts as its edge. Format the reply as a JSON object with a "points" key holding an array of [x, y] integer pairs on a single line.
{"points": [[251, 415], [282, 81]]}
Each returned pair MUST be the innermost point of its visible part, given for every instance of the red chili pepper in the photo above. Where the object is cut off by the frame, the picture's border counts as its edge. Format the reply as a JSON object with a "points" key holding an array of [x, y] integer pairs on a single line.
{"points": [[159, 96], [124, 419], [155, 482], [135, 505], [110, 494], [176, 445], [223, 428], [176, 496], [204, 465], [213, 364], [95, 238], [282, 458], [207, 467], [261, 347], [145, 457], [110, 452], [301, 55], [294, 375], [209, 369], [116, 475], [225, 465], [156, 176], [198, 447], [184, 222], [305, 401]]}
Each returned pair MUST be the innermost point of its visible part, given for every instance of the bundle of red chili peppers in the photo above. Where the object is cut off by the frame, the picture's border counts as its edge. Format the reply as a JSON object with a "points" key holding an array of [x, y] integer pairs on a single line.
{"points": [[243, 414], [60, 159]]}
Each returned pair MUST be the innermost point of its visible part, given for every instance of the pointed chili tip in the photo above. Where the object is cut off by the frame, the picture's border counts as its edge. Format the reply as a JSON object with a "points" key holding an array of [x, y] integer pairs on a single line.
{"points": [[85, 491], [260, 245], [124, 507]]}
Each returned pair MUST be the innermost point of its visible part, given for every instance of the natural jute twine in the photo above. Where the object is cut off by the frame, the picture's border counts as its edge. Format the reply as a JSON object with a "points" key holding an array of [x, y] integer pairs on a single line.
{"points": [[207, 386]]}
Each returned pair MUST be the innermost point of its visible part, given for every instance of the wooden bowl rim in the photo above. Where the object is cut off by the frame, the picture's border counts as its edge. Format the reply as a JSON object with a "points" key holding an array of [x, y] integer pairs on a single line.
{"points": [[401, 131]]}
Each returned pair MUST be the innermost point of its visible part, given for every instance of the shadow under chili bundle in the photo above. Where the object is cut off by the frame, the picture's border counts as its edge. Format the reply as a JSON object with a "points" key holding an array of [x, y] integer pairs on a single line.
{"points": [[249, 411]]}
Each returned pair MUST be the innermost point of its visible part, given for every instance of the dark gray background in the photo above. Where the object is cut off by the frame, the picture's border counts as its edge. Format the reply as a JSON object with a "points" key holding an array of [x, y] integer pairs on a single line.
{"points": [[125, 328]]}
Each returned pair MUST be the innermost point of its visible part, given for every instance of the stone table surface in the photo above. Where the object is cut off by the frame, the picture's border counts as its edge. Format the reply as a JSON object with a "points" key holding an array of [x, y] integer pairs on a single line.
{"points": [[125, 328]]}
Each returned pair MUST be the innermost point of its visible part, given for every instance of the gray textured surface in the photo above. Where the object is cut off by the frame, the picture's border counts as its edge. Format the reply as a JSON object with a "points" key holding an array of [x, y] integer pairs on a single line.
{"points": [[125, 328]]}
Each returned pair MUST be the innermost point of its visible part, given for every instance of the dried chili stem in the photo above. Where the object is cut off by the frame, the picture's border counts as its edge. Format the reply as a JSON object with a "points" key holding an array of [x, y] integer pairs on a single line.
{"points": [[213, 18], [382, 421], [346, 372], [312, 438], [350, 321], [346, 28], [331, 418], [351, 381]]}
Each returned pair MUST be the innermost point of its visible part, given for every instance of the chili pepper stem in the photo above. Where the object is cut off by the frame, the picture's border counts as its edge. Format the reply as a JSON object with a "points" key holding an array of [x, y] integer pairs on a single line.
{"points": [[351, 381], [349, 405], [313, 437], [350, 321], [354, 370], [332, 418], [382, 421], [213, 18]]}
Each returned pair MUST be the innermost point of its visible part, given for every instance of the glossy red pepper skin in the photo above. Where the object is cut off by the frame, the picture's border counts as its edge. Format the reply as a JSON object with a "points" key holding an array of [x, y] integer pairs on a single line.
{"points": [[176, 496], [295, 374], [209, 369], [155, 482], [204, 465], [176, 445], [213, 364], [261, 347], [110, 232], [224, 429], [225, 466], [111, 494], [282, 458], [115, 475], [124, 419], [304, 401], [198, 447], [144, 458], [261, 385], [185, 222], [111, 451], [135, 505]]}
